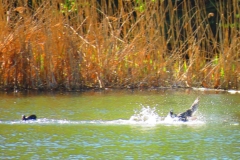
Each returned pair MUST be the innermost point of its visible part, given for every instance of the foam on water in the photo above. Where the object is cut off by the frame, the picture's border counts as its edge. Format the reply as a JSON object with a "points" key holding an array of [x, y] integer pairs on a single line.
{"points": [[145, 116]]}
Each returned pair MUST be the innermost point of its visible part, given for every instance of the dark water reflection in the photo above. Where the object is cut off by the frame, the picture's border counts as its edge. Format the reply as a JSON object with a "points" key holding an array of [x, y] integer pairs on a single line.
{"points": [[97, 125]]}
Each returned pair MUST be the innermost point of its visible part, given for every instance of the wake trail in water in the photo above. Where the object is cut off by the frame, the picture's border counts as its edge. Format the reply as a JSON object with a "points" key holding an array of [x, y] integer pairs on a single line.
{"points": [[145, 116]]}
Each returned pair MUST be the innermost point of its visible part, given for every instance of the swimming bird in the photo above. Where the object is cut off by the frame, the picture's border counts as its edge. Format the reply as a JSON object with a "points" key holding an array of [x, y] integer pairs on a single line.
{"points": [[31, 117], [188, 113]]}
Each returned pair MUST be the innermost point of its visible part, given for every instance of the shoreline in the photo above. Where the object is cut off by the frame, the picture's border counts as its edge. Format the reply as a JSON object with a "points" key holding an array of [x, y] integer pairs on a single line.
{"points": [[96, 89]]}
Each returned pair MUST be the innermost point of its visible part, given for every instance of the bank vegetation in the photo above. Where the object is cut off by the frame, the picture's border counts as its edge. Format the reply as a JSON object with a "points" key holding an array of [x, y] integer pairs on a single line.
{"points": [[80, 44]]}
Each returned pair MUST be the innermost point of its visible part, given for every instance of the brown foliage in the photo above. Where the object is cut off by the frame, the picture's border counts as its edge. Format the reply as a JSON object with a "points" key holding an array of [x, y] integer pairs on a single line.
{"points": [[86, 43]]}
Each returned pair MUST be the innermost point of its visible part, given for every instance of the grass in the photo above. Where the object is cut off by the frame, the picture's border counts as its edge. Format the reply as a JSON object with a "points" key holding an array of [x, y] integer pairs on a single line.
{"points": [[75, 45]]}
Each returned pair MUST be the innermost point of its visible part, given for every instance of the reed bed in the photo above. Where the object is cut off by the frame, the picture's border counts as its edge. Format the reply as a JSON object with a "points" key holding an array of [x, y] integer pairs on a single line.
{"points": [[80, 44]]}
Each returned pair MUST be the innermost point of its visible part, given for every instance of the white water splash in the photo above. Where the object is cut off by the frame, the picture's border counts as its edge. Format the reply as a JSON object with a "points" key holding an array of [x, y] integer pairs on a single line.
{"points": [[146, 115], [149, 115]]}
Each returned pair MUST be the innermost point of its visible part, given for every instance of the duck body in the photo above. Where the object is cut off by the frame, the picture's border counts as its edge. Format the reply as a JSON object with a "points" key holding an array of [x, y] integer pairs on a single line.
{"points": [[31, 117], [188, 113]]}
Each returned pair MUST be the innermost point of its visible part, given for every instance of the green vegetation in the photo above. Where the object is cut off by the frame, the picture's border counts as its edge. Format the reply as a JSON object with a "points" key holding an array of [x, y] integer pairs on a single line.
{"points": [[78, 44]]}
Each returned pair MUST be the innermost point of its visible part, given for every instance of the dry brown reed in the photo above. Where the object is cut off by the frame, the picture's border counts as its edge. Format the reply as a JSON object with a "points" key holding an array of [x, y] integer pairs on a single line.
{"points": [[78, 44]]}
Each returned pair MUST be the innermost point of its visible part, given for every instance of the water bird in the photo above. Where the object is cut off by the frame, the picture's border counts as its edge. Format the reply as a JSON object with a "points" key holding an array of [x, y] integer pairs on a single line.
{"points": [[31, 117], [184, 116]]}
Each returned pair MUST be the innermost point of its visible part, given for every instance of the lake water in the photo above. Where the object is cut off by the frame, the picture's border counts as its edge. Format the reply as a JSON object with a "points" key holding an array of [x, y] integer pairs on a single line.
{"points": [[103, 125]]}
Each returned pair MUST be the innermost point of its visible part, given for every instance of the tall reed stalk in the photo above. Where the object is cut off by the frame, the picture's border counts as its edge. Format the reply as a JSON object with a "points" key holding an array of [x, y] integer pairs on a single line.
{"points": [[78, 44]]}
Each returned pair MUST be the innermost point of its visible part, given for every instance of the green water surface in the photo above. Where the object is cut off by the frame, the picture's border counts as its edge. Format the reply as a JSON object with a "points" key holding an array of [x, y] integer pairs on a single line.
{"points": [[96, 125]]}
